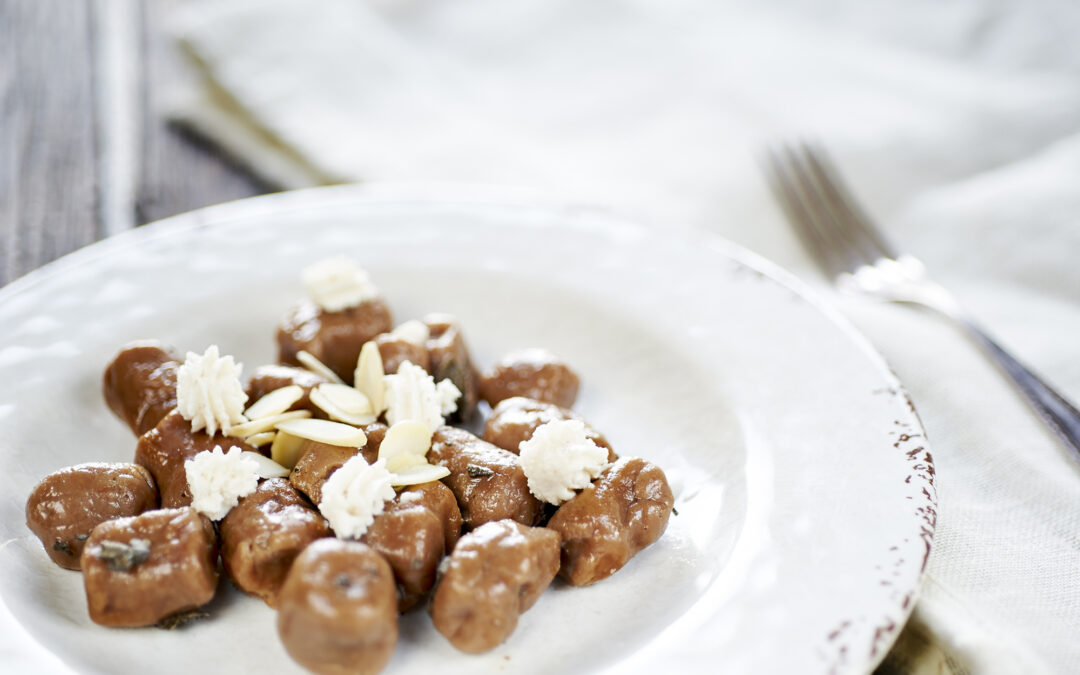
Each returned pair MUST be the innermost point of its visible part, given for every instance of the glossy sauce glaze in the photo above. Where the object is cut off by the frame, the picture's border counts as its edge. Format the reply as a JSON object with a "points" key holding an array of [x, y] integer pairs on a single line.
{"points": [[410, 538], [337, 611], [533, 373], [496, 572], [139, 384], [338, 600], [318, 461], [164, 449], [450, 360], [138, 571], [67, 505], [413, 535], [262, 535], [396, 350], [487, 481], [268, 378], [335, 338], [514, 420], [605, 525]]}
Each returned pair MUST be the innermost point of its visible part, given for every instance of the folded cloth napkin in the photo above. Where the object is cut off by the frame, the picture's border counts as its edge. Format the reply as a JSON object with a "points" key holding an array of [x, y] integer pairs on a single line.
{"points": [[959, 124]]}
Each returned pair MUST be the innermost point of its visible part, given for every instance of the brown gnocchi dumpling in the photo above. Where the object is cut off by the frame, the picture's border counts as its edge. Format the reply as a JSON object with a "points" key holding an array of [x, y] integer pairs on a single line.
{"points": [[495, 574]]}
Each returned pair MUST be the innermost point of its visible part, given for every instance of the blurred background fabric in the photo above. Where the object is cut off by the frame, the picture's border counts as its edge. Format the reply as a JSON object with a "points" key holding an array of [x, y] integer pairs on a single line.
{"points": [[659, 108], [958, 124]]}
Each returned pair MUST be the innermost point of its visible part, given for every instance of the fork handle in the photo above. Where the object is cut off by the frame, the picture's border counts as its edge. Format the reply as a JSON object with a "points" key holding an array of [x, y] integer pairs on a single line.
{"points": [[1052, 407]]}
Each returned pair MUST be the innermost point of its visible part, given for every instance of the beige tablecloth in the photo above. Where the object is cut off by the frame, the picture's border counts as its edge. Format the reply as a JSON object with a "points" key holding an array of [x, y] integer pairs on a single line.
{"points": [[958, 123]]}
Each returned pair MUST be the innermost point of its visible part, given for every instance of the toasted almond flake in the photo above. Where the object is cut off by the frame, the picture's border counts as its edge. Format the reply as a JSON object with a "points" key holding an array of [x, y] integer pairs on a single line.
{"points": [[368, 377], [266, 423], [347, 398], [260, 439], [405, 446], [268, 468], [275, 402], [357, 420], [316, 366], [338, 415], [325, 431], [285, 449], [425, 473]]}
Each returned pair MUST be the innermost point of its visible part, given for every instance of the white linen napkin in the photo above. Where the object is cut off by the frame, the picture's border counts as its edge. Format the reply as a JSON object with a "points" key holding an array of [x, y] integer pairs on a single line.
{"points": [[958, 123]]}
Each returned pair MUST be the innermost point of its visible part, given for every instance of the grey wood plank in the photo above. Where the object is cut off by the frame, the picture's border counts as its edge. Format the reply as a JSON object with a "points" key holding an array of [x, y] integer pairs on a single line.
{"points": [[179, 170], [48, 198]]}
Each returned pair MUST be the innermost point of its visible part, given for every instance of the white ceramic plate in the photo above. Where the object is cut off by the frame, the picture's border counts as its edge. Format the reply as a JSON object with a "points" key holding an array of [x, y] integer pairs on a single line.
{"points": [[805, 489]]}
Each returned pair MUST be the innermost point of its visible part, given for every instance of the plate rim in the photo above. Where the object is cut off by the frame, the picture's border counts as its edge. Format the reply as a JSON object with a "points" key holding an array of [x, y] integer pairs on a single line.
{"points": [[479, 195]]}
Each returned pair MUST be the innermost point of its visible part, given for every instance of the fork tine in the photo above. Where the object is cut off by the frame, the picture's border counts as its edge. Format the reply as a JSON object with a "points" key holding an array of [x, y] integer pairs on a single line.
{"points": [[805, 208], [845, 210], [788, 195]]}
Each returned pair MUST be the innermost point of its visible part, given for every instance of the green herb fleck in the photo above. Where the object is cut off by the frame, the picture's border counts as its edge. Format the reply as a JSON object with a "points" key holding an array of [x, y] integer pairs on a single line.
{"points": [[121, 557], [477, 471], [63, 547]]}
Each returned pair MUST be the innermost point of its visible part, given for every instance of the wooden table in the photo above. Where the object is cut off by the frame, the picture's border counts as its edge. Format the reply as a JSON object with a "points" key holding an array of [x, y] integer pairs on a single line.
{"points": [[85, 147]]}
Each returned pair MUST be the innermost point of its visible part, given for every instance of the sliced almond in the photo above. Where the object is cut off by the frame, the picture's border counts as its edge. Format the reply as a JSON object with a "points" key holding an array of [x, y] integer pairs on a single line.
{"points": [[316, 366], [337, 414], [425, 473], [285, 449], [405, 446], [266, 423], [325, 431], [368, 377], [260, 439], [275, 403], [347, 398], [268, 468]]}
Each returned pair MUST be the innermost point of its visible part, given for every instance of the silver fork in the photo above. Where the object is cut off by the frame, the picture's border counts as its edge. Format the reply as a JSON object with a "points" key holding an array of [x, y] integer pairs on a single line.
{"points": [[859, 259]]}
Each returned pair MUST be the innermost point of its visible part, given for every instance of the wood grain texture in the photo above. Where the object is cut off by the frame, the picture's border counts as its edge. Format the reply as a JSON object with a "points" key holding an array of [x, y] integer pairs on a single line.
{"points": [[48, 173], [52, 107], [180, 171]]}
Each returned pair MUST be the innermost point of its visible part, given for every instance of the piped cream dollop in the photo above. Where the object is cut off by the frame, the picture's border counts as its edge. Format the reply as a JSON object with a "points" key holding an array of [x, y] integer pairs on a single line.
{"points": [[354, 495], [208, 391], [559, 459], [338, 283], [412, 395], [218, 480], [448, 394]]}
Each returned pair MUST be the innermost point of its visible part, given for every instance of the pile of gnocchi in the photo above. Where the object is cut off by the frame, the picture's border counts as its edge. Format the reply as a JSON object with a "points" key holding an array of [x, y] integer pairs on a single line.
{"points": [[340, 486]]}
